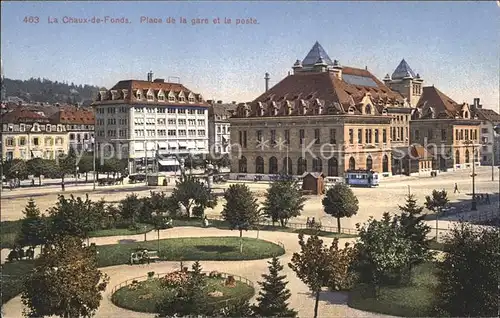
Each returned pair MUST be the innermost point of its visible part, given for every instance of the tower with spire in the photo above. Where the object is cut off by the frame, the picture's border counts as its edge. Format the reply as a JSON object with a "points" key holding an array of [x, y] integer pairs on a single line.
{"points": [[405, 81], [316, 60]]}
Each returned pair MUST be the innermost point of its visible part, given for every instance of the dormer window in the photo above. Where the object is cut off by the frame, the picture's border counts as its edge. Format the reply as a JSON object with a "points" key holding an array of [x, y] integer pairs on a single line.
{"points": [[368, 109], [191, 98], [48, 128], [22, 127], [150, 95], [350, 111], [161, 96], [139, 94]]}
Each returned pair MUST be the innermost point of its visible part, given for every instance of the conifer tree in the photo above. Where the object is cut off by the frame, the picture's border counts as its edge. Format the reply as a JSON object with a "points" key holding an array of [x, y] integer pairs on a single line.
{"points": [[272, 299], [33, 227]]}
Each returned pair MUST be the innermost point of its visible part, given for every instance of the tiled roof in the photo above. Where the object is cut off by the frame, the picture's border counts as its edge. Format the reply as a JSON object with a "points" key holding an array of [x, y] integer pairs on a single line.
{"points": [[306, 93], [20, 115], [442, 105], [127, 92], [75, 116], [487, 114], [403, 70], [222, 109]]}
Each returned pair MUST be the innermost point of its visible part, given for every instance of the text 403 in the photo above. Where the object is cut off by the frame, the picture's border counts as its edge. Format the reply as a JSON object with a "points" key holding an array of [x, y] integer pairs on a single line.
{"points": [[31, 20]]}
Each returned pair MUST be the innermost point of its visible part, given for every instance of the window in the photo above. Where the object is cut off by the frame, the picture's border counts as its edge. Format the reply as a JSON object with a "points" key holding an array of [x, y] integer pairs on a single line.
{"points": [[333, 136], [192, 132], [111, 110], [191, 99], [172, 132], [49, 126], [151, 133], [22, 127], [287, 136], [111, 133], [429, 134], [10, 142], [201, 122], [443, 134], [181, 111], [171, 98], [171, 110], [384, 136], [162, 132], [182, 132], [360, 136], [457, 134], [71, 136], [160, 121], [123, 109], [351, 136], [316, 136], [191, 122], [111, 121], [161, 97], [461, 134], [201, 133], [123, 121], [171, 121], [467, 134], [36, 141], [22, 141], [123, 133], [182, 122], [244, 139], [200, 111], [417, 134], [259, 136], [301, 136], [218, 129], [273, 137], [376, 136], [191, 111], [161, 110], [139, 109]]}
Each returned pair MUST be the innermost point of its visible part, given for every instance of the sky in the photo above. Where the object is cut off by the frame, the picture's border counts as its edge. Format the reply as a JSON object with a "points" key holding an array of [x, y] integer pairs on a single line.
{"points": [[452, 45]]}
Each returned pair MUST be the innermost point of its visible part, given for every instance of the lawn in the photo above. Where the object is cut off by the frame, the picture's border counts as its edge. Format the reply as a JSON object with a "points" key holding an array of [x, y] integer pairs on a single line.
{"points": [[225, 226], [414, 300], [11, 279], [149, 293], [9, 230], [192, 249]]}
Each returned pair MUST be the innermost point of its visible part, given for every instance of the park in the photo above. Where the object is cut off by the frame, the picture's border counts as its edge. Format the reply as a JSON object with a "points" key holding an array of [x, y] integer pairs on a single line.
{"points": [[229, 255]]}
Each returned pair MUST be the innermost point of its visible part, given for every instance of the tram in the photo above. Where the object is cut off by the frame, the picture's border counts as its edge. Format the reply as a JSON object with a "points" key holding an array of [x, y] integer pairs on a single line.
{"points": [[362, 178]]}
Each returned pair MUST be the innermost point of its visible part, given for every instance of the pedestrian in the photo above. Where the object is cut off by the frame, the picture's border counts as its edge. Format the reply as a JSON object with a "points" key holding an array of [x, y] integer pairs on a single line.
{"points": [[456, 188], [62, 186], [308, 222]]}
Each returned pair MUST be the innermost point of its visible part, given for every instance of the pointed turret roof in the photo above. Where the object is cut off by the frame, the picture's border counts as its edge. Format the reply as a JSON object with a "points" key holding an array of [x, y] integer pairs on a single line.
{"points": [[403, 70], [315, 54]]}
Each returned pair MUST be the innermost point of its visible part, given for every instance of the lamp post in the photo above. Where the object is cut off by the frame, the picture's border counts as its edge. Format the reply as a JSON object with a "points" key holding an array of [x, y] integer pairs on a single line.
{"points": [[93, 162], [474, 203]]}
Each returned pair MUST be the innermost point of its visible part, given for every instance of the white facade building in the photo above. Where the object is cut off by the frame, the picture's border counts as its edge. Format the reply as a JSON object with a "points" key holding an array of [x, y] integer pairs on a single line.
{"points": [[490, 141], [219, 135], [156, 120]]}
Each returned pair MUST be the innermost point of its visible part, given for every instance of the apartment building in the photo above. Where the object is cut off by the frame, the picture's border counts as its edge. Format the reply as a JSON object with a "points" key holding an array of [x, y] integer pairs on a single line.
{"points": [[219, 135], [490, 141], [28, 134], [79, 124], [151, 122]]}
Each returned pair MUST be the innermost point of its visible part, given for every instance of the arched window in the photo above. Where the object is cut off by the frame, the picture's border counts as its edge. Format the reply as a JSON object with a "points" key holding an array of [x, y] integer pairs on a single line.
{"points": [[301, 166], [369, 163], [242, 165], [467, 156], [259, 165], [333, 167], [352, 164], [457, 157], [287, 166], [317, 165], [385, 164], [273, 165]]}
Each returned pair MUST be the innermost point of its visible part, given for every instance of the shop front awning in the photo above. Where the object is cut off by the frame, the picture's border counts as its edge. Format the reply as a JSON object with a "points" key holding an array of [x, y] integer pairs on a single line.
{"points": [[183, 144], [36, 154], [191, 145], [168, 162], [172, 144]]}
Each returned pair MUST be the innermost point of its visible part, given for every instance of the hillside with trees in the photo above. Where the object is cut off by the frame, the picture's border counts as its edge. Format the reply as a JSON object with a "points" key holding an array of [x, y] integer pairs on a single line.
{"points": [[38, 90]]}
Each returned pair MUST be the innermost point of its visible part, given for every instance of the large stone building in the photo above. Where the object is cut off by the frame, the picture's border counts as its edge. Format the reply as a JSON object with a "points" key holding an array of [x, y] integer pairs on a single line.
{"points": [[490, 141], [79, 123], [323, 117], [447, 130], [219, 133], [146, 120], [28, 134]]}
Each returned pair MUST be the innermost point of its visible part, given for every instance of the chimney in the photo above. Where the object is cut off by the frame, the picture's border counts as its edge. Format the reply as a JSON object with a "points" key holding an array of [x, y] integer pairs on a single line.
{"points": [[267, 78], [150, 76], [476, 103], [219, 102], [210, 101]]}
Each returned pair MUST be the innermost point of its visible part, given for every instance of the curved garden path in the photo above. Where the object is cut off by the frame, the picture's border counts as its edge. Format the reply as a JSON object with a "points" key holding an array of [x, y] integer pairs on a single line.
{"points": [[331, 304]]}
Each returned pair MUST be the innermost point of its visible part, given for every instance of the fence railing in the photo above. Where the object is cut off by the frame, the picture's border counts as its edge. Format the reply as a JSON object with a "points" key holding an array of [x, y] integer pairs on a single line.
{"points": [[296, 225], [159, 275]]}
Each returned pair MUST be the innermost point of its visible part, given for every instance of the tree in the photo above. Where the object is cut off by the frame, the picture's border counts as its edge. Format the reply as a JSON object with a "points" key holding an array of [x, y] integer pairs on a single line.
{"points": [[320, 266], [130, 208], [383, 253], [468, 278], [75, 217], [15, 168], [86, 164], [65, 281], [191, 192], [436, 202], [340, 202], [241, 210], [38, 167], [284, 200], [66, 163], [33, 227], [190, 298], [241, 308], [272, 299], [416, 230]]}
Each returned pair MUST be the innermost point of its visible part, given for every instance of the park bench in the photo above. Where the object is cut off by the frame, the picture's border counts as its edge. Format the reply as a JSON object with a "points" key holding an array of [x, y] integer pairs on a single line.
{"points": [[138, 257]]}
